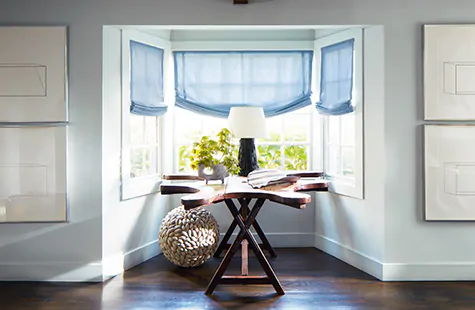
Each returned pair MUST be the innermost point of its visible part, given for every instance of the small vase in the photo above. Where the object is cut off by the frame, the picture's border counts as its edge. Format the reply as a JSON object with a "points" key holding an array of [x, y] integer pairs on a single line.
{"points": [[219, 173]]}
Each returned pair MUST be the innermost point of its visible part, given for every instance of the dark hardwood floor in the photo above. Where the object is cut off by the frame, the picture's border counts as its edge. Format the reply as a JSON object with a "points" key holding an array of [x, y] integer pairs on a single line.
{"points": [[311, 279]]}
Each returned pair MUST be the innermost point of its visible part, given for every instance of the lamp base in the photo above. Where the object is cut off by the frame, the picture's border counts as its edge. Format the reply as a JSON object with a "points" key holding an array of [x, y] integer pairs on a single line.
{"points": [[247, 156]]}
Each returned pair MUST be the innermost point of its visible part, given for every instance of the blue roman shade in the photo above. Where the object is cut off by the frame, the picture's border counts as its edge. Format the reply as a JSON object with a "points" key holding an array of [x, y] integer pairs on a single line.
{"points": [[146, 80], [336, 83], [211, 83]]}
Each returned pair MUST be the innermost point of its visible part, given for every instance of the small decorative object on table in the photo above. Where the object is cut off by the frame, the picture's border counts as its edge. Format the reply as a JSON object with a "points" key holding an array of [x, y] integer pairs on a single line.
{"points": [[216, 155], [219, 173], [188, 238]]}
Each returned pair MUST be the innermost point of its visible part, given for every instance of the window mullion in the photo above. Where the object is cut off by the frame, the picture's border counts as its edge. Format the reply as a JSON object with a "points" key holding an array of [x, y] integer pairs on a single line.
{"points": [[326, 146], [143, 159], [340, 142], [282, 141], [158, 141]]}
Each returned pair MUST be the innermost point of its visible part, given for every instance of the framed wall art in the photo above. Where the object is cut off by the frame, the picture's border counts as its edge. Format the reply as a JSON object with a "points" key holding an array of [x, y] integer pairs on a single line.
{"points": [[33, 174], [449, 172], [33, 74], [449, 72]]}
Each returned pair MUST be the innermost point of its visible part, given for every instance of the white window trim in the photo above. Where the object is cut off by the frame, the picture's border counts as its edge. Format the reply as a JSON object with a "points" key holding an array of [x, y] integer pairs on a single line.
{"points": [[242, 45], [282, 143], [340, 185], [287, 45], [135, 187]]}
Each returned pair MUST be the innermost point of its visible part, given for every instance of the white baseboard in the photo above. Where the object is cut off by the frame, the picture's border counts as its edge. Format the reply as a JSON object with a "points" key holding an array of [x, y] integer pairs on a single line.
{"points": [[443, 271], [54, 272], [141, 254], [118, 263], [76, 271], [349, 256], [282, 240], [429, 272]]}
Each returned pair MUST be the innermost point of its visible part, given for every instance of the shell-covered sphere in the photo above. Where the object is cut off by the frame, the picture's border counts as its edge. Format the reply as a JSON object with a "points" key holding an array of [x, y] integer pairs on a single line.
{"points": [[188, 238]]}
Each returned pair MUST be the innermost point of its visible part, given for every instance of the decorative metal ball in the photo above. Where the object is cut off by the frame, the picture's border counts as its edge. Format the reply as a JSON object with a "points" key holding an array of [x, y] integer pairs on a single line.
{"points": [[188, 238]]}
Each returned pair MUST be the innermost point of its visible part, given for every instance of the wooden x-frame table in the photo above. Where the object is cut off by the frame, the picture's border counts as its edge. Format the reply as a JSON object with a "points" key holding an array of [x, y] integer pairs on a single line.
{"points": [[245, 218]]}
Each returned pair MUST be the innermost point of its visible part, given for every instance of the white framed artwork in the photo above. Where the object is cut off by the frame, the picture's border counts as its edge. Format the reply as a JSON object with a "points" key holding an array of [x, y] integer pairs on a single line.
{"points": [[33, 174], [449, 172], [33, 74], [449, 72]]}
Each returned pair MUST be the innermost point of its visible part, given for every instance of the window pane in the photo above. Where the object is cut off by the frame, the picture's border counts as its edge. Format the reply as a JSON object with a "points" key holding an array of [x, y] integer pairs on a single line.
{"points": [[143, 161], [273, 129], [334, 129], [334, 160], [151, 129], [348, 129], [212, 125], [187, 126], [303, 111], [151, 163], [296, 157], [136, 129], [137, 162], [348, 161], [184, 152], [269, 156], [296, 128]]}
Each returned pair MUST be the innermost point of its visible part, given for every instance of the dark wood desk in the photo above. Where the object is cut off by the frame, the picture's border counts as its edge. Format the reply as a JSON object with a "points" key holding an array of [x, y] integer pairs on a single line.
{"points": [[237, 188]]}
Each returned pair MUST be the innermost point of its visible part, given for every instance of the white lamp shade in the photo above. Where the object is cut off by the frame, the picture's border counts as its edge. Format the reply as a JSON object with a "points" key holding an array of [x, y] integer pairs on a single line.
{"points": [[247, 122]]}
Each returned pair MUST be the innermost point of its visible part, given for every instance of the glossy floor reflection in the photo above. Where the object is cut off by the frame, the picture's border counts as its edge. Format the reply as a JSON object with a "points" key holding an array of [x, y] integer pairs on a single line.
{"points": [[311, 279]]}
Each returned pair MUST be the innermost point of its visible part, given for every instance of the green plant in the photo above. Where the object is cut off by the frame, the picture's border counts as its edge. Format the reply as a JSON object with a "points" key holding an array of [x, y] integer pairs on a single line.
{"points": [[209, 152]]}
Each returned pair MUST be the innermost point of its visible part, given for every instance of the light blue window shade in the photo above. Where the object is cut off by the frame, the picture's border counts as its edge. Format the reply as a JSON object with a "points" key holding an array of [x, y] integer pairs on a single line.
{"points": [[336, 84], [146, 80], [211, 83]]}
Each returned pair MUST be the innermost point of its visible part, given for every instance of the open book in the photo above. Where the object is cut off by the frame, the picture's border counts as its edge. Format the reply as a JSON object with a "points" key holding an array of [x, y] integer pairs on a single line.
{"points": [[268, 177]]}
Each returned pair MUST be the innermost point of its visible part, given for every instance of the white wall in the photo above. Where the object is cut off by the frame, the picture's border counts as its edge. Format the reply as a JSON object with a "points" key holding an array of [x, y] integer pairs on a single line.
{"points": [[130, 227], [408, 240], [349, 228]]}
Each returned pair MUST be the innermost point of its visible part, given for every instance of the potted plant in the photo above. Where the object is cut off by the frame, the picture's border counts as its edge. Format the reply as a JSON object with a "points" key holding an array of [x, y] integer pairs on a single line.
{"points": [[216, 155]]}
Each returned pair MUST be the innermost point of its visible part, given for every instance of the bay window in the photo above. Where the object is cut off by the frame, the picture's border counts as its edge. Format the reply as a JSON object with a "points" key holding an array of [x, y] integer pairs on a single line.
{"points": [[304, 131]]}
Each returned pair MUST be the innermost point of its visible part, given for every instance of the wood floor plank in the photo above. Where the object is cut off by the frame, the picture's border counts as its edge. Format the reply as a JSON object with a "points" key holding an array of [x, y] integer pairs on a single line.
{"points": [[311, 279]]}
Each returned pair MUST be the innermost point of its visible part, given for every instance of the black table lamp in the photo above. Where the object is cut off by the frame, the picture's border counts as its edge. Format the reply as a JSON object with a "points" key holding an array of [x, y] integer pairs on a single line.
{"points": [[247, 123]]}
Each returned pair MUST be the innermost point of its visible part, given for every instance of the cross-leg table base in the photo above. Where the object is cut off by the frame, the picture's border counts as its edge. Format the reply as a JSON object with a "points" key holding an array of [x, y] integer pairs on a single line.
{"points": [[265, 245], [244, 219]]}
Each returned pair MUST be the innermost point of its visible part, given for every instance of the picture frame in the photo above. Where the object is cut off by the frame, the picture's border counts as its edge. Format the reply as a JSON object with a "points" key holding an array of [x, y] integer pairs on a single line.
{"points": [[449, 70], [33, 174], [33, 74], [449, 172]]}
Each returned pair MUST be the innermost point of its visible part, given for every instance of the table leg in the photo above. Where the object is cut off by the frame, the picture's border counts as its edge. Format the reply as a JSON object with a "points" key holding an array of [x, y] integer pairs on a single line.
{"points": [[265, 242], [244, 232], [244, 243], [224, 243]]}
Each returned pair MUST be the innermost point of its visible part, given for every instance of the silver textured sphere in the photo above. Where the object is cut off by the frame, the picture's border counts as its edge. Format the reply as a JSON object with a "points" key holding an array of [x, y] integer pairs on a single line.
{"points": [[188, 238]]}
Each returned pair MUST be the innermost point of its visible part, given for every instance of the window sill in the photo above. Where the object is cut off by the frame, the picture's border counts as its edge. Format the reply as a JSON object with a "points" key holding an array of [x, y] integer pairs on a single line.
{"points": [[137, 187]]}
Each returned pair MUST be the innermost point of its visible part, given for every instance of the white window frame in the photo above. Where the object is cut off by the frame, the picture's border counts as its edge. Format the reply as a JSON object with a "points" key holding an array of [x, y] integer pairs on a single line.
{"points": [[282, 143], [249, 46], [353, 187], [139, 186]]}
